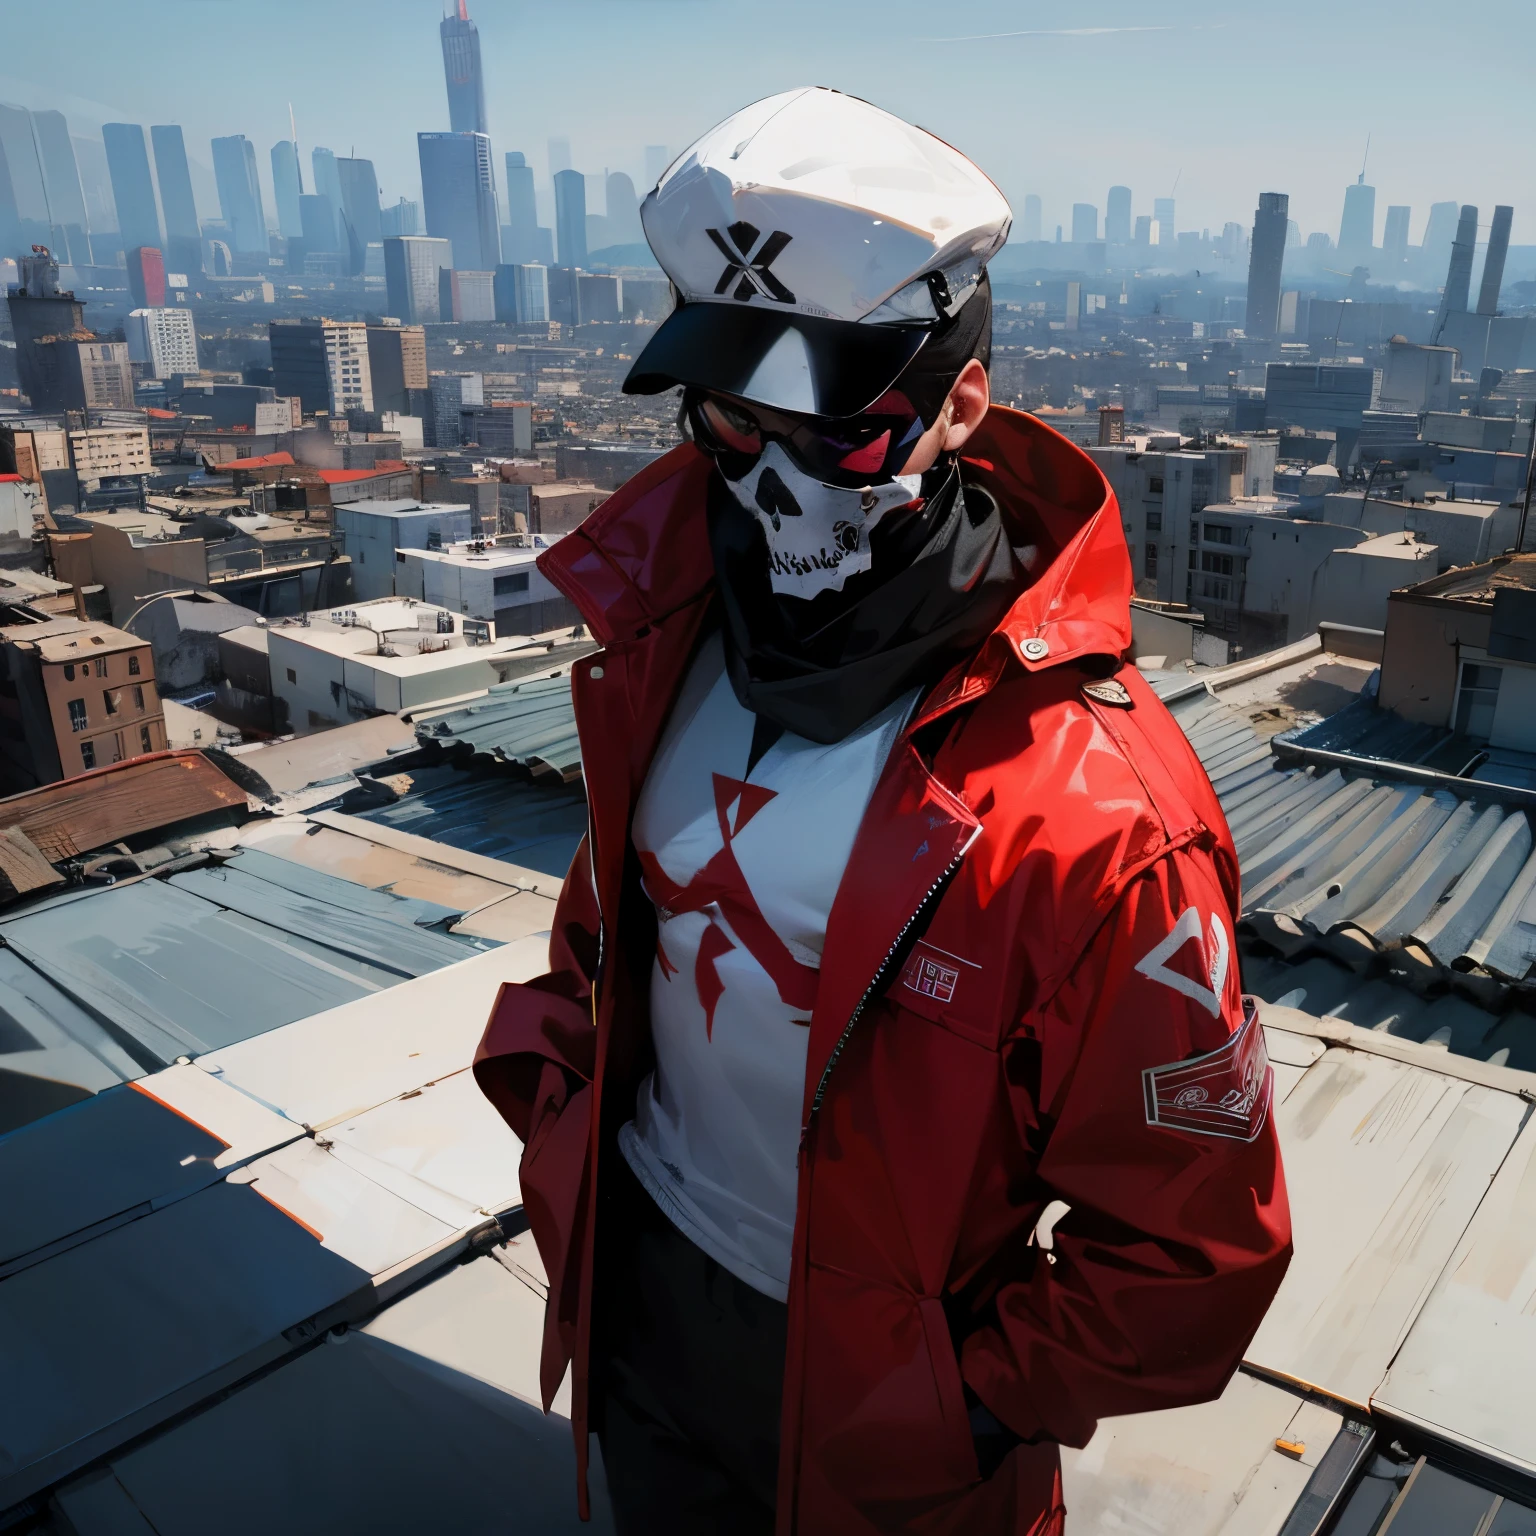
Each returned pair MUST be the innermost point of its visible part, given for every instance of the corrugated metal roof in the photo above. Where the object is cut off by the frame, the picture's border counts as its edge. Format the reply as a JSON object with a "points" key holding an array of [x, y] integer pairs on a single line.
{"points": [[98, 985], [96, 809], [1428, 884], [536, 825], [1411, 906], [528, 724]]}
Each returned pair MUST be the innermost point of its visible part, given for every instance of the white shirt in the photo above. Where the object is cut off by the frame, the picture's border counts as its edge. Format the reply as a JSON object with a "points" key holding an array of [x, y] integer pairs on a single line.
{"points": [[742, 869]]}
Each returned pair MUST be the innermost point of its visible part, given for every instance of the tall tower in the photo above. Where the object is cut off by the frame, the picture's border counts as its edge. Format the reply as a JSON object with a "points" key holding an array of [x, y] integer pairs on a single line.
{"points": [[461, 67], [571, 217], [234, 169], [1493, 262], [133, 189], [459, 193], [361, 221], [183, 235], [1357, 229], [1394, 238], [1117, 216], [66, 199], [1266, 255], [288, 186], [1458, 278], [520, 241]]}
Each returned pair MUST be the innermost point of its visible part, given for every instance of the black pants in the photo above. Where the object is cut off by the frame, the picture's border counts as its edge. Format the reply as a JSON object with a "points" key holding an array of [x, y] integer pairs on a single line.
{"points": [[690, 1376], [690, 1371]]}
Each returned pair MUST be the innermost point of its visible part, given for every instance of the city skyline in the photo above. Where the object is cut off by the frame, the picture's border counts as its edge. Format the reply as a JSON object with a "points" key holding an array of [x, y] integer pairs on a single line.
{"points": [[1139, 134]]}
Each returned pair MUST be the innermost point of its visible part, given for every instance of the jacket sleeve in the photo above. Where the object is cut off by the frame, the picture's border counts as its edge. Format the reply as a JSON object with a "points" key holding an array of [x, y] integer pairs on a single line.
{"points": [[535, 1064], [1154, 1107]]}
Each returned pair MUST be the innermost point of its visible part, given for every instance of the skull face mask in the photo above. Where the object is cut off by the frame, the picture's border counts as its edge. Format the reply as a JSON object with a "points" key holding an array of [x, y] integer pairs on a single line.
{"points": [[818, 534]]}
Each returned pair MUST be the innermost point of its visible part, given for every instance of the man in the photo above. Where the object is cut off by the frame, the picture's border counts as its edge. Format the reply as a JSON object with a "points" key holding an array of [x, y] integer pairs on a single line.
{"points": [[891, 1111]]}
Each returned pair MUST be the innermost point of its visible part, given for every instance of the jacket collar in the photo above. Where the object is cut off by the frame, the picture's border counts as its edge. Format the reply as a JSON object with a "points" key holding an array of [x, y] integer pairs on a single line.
{"points": [[644, 554]]}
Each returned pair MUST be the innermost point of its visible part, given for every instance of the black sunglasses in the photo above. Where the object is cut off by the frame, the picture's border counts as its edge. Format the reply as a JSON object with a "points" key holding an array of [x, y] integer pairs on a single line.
{"points": [[850, 451]]}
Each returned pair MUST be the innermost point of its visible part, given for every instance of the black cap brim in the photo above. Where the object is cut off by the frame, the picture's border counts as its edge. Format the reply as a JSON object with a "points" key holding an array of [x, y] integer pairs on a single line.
{"points": [[775, 357]]}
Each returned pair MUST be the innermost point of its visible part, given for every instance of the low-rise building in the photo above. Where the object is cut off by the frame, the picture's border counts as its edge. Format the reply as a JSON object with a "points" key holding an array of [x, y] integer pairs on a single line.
{"points": [[1460, 653], [273, 568], [1256, 570], [74, 695], [373, 532], [21, 502], [392, 654], [1161, 486], [109, 453], [503, 429], [557, 508], [500, 583]]}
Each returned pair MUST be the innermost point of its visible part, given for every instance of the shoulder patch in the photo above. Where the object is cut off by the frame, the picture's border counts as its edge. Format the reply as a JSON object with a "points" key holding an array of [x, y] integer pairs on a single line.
{"points": [[1225, 1092]]}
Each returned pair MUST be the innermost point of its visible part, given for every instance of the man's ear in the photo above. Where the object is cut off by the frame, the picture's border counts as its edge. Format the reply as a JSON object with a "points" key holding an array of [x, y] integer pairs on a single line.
{"points": [[968, 402]]}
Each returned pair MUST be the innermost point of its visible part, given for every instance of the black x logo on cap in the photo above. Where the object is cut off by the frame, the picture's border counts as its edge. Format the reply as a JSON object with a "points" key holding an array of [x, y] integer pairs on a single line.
{"points": [[748, 271]]}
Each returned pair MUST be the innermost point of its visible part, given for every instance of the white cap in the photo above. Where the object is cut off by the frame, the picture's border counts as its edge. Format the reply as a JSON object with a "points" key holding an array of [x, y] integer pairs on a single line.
{"points": [[797, 218]]}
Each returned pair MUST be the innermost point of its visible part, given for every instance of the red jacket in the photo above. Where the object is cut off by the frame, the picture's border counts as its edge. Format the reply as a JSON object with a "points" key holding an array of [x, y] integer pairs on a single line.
{"points": [[1029, 994]]}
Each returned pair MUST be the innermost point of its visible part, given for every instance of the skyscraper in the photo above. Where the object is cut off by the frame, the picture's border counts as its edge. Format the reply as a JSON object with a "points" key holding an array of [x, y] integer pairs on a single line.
{"points": [[411, 265], [328, 185], [133, 190], [402, 218], [1394, 239], [317, 229], [531, 294], [96, 183], [1031, 224], [26, 210], [361, 225], [460, 196], [1493, 262], [287, 186], [1266, 255], [234, 169], [1458, 277], [1357, 229], [571, 217], [1163, 216], [1117, 216], [1439, 232], [184, 238], [461, 67], [519, 243], [623, 210], [66, 200], [1085, 223]]}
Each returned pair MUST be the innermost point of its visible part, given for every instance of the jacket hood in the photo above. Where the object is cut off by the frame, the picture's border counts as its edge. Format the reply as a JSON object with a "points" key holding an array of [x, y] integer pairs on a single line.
{"points": [[644, 554]]}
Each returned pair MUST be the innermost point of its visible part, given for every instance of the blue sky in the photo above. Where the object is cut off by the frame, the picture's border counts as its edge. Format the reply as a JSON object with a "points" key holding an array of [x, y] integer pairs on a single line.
{"points": [[1063, 101]]}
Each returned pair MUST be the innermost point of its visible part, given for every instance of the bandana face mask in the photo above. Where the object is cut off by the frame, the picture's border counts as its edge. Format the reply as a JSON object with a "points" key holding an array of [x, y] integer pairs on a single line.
{"points": [[818, 534], [815, 486]]}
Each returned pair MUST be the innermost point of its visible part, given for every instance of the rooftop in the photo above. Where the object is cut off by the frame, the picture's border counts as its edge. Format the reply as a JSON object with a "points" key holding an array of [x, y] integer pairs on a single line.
{"points": [[71, 639], [403, 508], [477, 552], [1480, 583]]}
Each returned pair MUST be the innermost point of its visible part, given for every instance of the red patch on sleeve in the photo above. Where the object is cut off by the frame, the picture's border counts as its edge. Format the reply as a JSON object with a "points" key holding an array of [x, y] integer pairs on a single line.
{"points": [[1225, 1092]]}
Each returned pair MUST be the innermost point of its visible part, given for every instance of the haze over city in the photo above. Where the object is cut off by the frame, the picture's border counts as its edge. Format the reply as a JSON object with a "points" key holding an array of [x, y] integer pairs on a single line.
{"points": [[1225, 101]]}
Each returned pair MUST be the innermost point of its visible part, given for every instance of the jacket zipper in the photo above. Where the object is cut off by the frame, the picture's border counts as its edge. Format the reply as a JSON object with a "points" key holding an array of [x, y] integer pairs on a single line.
{"points": [[881, 976]]}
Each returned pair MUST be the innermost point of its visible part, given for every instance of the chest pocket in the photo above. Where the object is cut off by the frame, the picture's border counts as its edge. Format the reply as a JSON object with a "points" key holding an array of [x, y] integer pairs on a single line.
{"points": [[959, 989]]}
